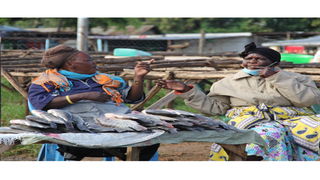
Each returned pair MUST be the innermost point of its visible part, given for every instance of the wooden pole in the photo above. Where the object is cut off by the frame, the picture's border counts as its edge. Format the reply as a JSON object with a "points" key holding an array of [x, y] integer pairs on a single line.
{"points": [[201, 41], [82, 34], [133, 153], [14, 83], [152, 93], [148, 85]]}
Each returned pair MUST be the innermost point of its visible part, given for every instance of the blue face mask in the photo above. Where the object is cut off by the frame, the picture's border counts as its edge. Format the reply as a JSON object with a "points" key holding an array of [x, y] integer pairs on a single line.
{"points": [[74, 75], [252, 72]]}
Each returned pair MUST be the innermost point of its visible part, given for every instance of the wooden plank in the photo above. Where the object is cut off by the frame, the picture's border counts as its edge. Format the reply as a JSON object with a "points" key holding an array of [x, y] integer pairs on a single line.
{"points": [[163, 101], [151, 93], [30, 74], [133, 153], [14, 83]]}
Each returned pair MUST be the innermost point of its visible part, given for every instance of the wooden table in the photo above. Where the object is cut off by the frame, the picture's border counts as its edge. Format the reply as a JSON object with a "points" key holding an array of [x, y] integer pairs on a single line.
{"points": [[235, 152]]}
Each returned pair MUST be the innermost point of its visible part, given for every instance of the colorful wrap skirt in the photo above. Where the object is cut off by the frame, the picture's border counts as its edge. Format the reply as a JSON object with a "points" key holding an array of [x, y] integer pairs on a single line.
{"points": [[292, 134]]}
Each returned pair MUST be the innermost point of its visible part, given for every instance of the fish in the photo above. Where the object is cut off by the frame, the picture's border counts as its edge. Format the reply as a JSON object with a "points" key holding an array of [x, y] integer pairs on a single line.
{"points": [[128, 125], [9, 130], [181, 123], [80, 123], [47, 116], [149, 120], [169, 112], [41, 120], [66, 116], [164, 118], [28, 123], [24, 128], [170, 130], [101, 129], [214, 123]]}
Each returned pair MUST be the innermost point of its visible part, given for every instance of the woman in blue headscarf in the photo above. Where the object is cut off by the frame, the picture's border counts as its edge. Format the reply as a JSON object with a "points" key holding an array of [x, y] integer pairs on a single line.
{"points": [[72, 83]]}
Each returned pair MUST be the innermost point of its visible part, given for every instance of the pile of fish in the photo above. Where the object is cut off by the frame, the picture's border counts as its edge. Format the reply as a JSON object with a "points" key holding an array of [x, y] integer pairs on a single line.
{"points": [[172, 121]]}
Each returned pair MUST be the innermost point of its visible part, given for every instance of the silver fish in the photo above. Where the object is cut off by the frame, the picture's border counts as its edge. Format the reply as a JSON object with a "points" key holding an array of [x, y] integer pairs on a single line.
{"points": [[182, 123], [9, 130], [100, 129], [128, 125], [164, 118], [119, 116], [149, 120], [80, 123], [66, 116], [47, 116], [28, 123], [169, 112], [170, 130], [213, 123], [24, 128], [41, 120]]}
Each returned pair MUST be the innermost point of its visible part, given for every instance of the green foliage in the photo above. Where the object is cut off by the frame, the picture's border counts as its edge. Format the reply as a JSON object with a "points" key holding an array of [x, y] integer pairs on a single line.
{"points": [[180, 25], [13, 107]]}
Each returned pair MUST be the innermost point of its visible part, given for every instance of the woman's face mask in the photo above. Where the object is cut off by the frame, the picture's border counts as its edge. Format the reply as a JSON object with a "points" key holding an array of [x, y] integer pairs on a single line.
{"points": [[254, 63], [254, 72]]}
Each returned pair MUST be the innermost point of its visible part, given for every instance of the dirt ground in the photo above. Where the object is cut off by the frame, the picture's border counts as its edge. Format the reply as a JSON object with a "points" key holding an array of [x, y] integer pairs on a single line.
{"points": [[196, 151]]}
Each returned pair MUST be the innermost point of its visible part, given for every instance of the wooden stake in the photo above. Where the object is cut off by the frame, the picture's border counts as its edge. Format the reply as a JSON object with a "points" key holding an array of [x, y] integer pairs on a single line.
{"points": [[152, 92], [14, 83], [133, 153]]}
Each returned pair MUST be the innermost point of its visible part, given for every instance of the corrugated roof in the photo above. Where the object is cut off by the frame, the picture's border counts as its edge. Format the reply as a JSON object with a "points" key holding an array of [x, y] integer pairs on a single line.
{"points": [[186, 36], [311, 41], [10, 28]]}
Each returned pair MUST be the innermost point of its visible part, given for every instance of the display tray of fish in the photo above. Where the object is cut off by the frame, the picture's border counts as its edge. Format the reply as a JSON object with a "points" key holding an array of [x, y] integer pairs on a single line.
{"points": [[169, 120]]}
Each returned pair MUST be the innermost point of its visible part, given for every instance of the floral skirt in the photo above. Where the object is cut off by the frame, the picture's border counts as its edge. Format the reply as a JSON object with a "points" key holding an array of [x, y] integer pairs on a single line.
{"points": [[281, 146], [286, 137]]}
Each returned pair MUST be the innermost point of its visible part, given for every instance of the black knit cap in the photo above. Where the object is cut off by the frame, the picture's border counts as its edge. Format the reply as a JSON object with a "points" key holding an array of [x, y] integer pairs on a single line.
{"points": [[266, 52]]}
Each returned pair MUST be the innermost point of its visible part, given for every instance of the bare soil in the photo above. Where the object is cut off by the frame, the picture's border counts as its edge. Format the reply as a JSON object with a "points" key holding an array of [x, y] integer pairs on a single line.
{"points": [[195, 151]]}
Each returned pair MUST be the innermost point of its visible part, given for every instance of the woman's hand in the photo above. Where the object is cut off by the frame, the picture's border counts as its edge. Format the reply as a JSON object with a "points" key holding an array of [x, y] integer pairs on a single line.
{"points": [[142, 68], [174, 85], [267, 72], [96, 96]]}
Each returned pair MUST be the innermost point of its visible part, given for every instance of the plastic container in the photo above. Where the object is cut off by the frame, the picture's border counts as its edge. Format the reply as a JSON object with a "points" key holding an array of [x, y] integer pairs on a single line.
{"points": [[296, 58], [129, 52]]}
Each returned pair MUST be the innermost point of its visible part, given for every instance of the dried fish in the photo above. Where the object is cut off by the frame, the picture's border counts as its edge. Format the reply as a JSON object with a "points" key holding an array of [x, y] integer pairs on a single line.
{"points": [[169, 112], [47, 116], [129, 125], [66, 116], [148, 120], [213, 123], [9, 130], [80, 123], [28, 123], [182, 123], [24, 128], [41, 120], [170, 130]]}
